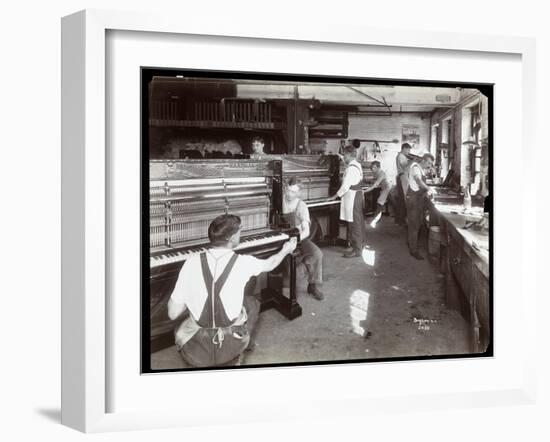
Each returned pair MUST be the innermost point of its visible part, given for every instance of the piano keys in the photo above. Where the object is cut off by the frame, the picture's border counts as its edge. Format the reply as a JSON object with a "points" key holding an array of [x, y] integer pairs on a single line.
{"points": [[263, 240], [321, 202]]}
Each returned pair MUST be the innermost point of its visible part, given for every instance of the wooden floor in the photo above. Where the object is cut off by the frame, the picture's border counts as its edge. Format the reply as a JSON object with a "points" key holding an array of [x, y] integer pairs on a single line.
{"points": [[394, 309]]}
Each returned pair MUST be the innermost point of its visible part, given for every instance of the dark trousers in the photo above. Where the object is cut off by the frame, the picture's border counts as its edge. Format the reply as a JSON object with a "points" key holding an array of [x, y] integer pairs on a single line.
{"points": [[313, 260], [357, 230], [201, 351], [312, 257], [415, 212], [379, 210], [400, 201], [252, 305]]}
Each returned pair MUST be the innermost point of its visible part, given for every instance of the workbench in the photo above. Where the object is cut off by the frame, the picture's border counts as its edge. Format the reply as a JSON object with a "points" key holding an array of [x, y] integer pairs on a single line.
{"points": [[465, 261]]}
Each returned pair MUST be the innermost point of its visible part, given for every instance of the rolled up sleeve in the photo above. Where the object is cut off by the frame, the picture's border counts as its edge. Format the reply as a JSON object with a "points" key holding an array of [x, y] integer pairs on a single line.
{"points": [[251, 266]]}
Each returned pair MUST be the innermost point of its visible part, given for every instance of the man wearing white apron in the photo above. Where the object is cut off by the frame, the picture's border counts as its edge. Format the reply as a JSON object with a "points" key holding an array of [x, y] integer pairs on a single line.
{"points": [[351, 206], [211, 285]]}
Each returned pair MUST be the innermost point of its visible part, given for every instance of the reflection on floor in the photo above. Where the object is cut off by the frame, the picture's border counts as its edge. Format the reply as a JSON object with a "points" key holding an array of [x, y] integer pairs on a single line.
{"points": [[393, 309]]}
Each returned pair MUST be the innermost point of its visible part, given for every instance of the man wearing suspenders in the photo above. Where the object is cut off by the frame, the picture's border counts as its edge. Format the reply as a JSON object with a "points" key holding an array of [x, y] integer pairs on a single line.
{"points": [[212, 287], [296, 214], [415, 201], [351, 206]]}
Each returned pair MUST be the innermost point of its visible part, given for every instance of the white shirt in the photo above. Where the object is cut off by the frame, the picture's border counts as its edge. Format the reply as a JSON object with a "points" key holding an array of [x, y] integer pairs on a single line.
{"points": [[415, 171], [353, 175], [190, 289]]}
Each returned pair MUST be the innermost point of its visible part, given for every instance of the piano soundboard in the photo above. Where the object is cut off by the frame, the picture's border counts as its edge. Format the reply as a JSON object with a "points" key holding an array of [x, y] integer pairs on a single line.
{"points": [[182, 210], [319, 178], [368, 174], [315, 172]]}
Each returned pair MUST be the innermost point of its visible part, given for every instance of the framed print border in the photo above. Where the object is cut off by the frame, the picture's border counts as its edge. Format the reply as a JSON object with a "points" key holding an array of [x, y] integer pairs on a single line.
{"points": [[85, 261]]}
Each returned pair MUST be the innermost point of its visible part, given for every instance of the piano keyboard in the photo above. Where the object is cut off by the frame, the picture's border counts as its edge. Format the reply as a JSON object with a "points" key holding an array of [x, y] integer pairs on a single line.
{"points": [[321, 203], [174, 256]]}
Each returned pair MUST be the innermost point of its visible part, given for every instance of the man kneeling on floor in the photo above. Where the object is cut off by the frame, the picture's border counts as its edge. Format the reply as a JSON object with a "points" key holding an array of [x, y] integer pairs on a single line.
{"points": [[296, 214], [212, 286]]}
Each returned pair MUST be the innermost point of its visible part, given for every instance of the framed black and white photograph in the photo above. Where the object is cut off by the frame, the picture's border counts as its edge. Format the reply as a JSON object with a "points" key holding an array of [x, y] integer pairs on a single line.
{"points": [[275, 211], [318, 219]]}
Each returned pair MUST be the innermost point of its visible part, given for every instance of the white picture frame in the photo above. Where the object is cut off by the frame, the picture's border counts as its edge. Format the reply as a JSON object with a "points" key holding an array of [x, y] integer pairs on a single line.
{"points": [[85, 259]]}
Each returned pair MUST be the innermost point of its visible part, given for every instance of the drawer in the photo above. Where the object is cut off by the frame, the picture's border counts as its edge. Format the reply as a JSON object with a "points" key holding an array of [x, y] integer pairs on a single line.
{"points": [[461, 266], [480, 296]]}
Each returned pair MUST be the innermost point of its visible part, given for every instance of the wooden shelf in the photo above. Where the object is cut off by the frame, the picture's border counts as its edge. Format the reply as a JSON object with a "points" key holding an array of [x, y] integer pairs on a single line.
{"points": [[215, 124]]}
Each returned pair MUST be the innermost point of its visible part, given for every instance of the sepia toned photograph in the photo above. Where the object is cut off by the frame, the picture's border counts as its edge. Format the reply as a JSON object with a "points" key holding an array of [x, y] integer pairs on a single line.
{"points": [[291, 220]]}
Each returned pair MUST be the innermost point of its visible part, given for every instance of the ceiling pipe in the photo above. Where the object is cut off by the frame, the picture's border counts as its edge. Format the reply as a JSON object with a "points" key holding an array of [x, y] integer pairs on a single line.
{"points": [[382, 103]]}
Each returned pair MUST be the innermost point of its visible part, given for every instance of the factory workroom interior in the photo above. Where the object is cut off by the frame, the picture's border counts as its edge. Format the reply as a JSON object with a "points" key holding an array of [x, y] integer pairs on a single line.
{"points": [[358, 214]]}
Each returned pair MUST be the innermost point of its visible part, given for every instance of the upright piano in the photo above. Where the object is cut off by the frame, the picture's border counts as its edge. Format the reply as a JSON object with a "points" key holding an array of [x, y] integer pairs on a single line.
{"points": [[185, 196]]}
